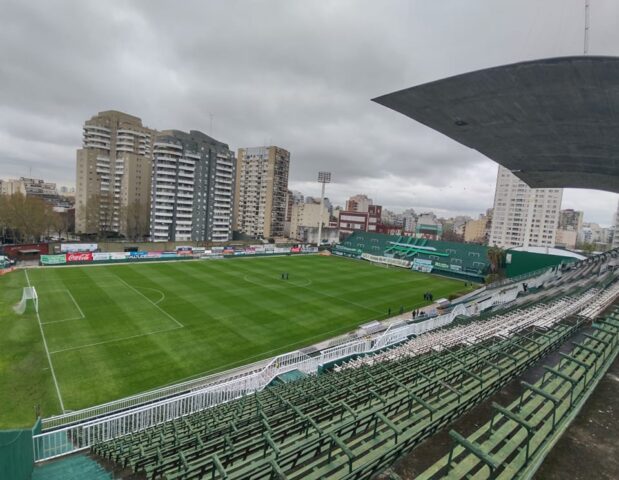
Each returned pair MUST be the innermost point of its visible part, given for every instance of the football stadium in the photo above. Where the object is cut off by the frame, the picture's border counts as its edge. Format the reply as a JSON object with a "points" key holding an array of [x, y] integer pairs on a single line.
{"points": [[290, 362]]}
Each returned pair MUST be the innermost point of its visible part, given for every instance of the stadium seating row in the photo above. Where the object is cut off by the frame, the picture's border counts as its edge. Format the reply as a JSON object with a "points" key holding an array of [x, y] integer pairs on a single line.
{"points": [[343, 424], [508, 445]]}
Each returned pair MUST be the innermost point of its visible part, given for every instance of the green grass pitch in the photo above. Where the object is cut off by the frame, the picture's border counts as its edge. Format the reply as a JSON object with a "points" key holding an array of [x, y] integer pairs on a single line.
{"points": [[117, 330]]}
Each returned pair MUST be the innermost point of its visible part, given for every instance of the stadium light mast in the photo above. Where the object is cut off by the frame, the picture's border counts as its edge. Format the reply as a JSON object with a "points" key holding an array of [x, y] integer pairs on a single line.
{"points": [[324, 178]]}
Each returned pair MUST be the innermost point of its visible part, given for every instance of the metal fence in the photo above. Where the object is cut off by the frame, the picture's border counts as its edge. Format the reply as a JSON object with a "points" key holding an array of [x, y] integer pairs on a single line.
{"points": [[58, 442]]}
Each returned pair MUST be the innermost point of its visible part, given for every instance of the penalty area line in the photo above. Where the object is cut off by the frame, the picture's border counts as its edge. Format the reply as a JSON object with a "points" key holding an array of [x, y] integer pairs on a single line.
{"points": [[79, 347], [76, 305], [49, 358]]}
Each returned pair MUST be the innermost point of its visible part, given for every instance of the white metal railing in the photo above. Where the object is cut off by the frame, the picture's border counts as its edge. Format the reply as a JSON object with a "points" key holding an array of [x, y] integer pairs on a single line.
{"points": [[55, 443]]}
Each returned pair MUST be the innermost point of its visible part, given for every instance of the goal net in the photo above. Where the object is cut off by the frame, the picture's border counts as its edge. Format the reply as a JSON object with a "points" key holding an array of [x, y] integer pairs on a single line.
{"points": [[29, 293]]}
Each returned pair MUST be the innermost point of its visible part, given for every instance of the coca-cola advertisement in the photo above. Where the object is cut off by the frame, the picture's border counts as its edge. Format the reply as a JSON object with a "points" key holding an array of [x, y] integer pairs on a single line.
{"points": [[79, 257]]}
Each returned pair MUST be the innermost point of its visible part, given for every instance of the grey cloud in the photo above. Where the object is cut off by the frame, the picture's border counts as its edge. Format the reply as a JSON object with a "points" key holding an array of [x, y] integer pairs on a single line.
{"points": [[296, 74]]}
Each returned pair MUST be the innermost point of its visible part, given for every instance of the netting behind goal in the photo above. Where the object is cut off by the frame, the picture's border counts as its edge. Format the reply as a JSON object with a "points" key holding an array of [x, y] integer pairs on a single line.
{"points": [[29, 293]]}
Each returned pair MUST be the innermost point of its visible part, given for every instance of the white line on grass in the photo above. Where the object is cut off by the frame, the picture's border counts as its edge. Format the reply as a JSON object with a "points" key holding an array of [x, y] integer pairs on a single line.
{"points": [[115, 340], [49, 358], [154, 304], [78, 307]]}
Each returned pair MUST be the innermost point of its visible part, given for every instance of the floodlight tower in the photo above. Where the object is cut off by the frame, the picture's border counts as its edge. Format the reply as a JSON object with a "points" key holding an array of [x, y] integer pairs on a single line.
{"points": [[324, 178]]}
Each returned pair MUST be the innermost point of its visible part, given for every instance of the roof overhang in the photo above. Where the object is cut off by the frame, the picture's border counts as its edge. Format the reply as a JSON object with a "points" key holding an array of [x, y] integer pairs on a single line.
{"points": [[553, 122]]}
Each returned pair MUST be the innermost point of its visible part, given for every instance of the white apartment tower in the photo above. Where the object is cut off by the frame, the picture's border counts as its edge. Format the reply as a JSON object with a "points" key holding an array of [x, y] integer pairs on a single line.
{"points": [[261, 191], [113, 175], [615, 243], [524, 216], [192, 188]]}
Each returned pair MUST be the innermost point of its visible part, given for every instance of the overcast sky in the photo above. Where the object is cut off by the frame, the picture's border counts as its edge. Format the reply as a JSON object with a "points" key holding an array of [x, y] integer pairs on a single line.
{"points": [[297, 74]]}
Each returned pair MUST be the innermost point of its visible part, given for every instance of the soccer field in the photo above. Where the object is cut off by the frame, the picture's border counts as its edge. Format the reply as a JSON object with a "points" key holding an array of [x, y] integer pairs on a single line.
{"points": [[116, 330]]}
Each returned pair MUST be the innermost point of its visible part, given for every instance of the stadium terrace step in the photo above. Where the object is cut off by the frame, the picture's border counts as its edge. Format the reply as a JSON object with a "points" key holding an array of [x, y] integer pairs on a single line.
{"points": [[344, 424], [289, 377], [73, 467], [517, 437]]}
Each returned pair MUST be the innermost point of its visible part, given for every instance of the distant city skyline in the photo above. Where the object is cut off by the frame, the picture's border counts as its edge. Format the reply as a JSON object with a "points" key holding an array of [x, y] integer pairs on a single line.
{"points": [[305, 86]]}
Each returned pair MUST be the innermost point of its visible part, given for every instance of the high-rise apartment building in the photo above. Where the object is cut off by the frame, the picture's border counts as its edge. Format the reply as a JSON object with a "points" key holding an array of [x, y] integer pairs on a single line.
{"points": [[358, 203], [192, 188], [261, 191], [524, 216], [113, 175]]}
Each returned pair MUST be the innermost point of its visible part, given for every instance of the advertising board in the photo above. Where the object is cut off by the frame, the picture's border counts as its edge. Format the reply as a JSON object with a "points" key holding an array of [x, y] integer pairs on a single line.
{"points": [[78, 247], [118, 255], [97, 256], [53, 259], [79, 257]]}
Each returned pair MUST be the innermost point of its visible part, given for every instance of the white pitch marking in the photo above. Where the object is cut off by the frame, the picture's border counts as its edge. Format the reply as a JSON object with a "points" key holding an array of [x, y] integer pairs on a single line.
{"points": [[154, 304], [115, 340], [78, 307], [49, 358]]}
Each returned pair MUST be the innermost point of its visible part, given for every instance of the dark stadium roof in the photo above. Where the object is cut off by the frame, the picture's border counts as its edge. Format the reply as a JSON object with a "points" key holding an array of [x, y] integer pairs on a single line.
{"points": [[553, 122]]}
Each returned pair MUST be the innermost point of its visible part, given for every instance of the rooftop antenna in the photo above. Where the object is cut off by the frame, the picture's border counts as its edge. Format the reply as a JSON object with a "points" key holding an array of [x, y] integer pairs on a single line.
{"points": [[587, 21]]}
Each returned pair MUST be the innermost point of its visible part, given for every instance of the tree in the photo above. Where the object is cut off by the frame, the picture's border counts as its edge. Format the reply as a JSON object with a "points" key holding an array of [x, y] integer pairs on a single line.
{"points": [[135, 220], [496, 256], [28, 218]]}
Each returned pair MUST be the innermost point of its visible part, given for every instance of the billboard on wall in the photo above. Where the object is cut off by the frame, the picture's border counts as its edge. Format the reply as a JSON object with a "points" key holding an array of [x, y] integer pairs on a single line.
{"points": [[79, 257], [140, 254], [53, 259], [118, 255], [78, 247], [281, 249], [422, 265], [98, 256]]}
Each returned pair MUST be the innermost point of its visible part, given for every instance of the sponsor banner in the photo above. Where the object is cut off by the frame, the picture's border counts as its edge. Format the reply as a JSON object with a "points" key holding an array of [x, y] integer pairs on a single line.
{"points": [[184, 253], [310, 249], [239, 252], [78, 247], [455, 268], [168, 254], [79, 257], [281, 249], [140, 254], [154, 254], [213, 257], [269, 249], [184, 249], [218, 249], [199, 250], [96, 256], [118, 255], [53, 259], [228, 251], [444, 266], [250, 251], [295, 250]]}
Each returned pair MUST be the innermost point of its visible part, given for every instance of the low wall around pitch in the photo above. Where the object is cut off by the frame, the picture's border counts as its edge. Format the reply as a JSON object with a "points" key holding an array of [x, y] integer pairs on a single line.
{"points": [[17, 453]]}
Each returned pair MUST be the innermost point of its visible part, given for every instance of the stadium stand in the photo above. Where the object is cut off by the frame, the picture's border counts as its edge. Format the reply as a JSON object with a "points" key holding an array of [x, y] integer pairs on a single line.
{"points": [[517, 436], [355, 420], [460, 260]]}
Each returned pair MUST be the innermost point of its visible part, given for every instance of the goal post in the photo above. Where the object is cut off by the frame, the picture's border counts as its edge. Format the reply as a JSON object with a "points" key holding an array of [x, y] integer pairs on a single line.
{"points": [[29, 293]]}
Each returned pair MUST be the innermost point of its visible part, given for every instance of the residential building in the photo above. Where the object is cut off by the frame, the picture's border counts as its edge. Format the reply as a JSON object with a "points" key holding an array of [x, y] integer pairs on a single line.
{"points": [[566, 238], [616, 229], [570, 219], [409, 220], [523, 216], [192, 194], [306, 215], [428, 226], [358, 203], [261, 191], [476, 231], [113, 175], [12, 186], [329, 235], [349, 221]]}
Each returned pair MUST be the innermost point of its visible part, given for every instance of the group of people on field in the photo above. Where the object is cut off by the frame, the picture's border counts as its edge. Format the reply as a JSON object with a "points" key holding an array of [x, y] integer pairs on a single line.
{"points": [[428, 296]]}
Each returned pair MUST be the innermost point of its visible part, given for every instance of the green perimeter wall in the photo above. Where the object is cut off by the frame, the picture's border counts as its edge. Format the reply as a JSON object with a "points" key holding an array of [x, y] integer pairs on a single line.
{"points": [[16, 453], [524, 262]]}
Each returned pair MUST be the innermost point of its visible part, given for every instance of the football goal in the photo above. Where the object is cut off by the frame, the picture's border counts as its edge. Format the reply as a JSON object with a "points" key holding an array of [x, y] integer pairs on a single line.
{"points": [[29, 293]]}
